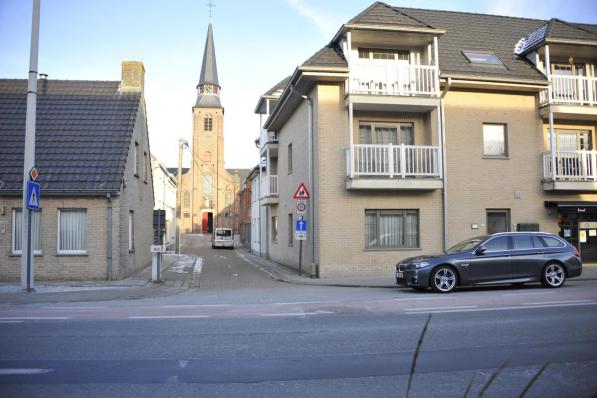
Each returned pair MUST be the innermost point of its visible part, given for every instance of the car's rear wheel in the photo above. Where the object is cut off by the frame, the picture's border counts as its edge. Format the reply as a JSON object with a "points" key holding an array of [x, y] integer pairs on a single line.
{"points": [[553, 275], [443, 279]]}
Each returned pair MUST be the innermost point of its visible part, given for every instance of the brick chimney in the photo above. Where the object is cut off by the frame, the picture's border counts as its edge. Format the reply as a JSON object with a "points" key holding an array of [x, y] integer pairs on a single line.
{"points": [[133, 76]]}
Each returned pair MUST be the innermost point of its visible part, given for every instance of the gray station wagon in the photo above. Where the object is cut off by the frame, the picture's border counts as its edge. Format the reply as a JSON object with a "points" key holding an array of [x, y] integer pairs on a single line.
{"points": [[504, 258]]}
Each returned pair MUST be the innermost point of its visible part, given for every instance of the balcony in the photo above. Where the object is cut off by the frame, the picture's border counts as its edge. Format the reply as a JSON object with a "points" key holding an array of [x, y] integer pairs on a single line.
{"points": [[269, 192], [268, 140], [393, 167], [575, 95], [575, 171], [405, 88]]}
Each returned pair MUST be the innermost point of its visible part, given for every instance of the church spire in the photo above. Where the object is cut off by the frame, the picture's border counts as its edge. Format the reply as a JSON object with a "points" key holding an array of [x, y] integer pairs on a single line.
{"points": [[208, 94]]}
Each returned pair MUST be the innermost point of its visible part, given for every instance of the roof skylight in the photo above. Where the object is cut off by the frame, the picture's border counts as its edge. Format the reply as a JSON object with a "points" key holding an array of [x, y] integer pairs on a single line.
{"points": [[482, 58]]}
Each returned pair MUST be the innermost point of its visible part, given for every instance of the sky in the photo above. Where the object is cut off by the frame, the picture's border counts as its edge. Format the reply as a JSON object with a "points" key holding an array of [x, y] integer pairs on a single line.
{"points": [[257, 43]]}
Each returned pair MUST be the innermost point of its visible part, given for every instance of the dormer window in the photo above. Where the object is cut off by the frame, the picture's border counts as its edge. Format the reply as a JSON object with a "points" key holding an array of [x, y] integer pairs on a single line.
{"points": [[482, 58]]}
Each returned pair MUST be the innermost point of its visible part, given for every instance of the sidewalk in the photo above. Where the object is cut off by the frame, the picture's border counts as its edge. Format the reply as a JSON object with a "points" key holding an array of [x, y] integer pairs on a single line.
{"points": [[136, 286], [290, 275]]}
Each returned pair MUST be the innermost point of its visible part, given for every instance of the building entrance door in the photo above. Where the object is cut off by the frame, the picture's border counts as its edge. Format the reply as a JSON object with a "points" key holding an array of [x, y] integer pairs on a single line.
{"points": [[207, 222], [587, 231]]}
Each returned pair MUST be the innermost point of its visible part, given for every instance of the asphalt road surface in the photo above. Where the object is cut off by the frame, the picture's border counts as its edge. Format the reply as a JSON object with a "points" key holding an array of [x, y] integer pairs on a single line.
{"points": [[239, 333]]}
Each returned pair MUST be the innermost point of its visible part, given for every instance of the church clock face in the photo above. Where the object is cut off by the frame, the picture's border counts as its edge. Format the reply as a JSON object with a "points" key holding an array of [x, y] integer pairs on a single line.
{"points": [[208, 89]]}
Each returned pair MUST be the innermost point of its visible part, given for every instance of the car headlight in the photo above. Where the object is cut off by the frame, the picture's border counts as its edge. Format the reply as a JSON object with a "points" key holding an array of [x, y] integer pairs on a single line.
{"points": [[420, 265]]}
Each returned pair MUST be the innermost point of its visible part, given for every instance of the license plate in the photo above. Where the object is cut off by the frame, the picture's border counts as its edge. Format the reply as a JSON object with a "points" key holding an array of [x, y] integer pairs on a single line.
{"points": [[399, 274]]}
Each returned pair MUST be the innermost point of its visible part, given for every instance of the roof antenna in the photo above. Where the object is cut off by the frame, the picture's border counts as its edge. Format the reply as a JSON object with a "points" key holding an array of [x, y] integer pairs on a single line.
{"points": [[210, 5]]}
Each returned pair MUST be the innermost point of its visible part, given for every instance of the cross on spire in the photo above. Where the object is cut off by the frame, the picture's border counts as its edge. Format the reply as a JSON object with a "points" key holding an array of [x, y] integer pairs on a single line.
{"points": [[211, 5]]}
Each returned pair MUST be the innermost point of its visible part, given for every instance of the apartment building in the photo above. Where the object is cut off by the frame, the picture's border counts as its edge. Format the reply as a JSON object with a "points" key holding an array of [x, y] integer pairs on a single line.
{"points": [[416, 129]]}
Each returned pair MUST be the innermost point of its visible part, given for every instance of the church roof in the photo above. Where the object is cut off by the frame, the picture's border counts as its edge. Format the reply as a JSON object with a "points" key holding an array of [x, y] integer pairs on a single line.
{"points": [[209, 70], [209, 74]]}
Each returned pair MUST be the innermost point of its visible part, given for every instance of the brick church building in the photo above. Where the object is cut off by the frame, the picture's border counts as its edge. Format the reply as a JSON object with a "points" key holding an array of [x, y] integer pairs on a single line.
{"points": [[208, 188]]}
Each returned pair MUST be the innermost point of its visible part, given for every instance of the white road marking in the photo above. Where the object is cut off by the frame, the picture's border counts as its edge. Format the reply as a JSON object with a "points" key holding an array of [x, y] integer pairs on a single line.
{"points": [[198, 265], [307, 302], [300, 313], [502, 308], [74, 307], [34, 318], [526, 293], [442, 308], [195, 305], [24, 371], [559, 302], [423, 298], [246, 259], [169, 317]]}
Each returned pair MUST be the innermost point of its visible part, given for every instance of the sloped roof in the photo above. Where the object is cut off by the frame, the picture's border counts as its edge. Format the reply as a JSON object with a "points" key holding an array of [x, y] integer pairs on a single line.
{"points": [[329, 56], [382, 14], [209, 74], [84, 130], [278, 88], [242, 173], [174, 170], [556, 28]]}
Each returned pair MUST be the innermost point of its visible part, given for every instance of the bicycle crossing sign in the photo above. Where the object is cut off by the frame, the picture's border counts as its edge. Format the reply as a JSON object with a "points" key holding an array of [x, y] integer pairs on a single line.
{"points": [[301, 192]]}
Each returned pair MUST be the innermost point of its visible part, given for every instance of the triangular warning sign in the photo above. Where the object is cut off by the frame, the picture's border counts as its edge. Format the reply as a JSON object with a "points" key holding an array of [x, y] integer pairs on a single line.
{"points": [[33, 202], [301, 192]]}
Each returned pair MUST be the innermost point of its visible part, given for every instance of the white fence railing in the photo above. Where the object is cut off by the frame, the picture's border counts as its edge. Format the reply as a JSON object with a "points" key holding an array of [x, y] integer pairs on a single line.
{"points": [[270, 185], [393, 161], [581, 90], [394, 79], [571, 166]]}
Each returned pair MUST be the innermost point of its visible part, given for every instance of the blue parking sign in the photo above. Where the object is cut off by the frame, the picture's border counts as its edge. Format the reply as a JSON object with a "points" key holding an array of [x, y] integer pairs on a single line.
{"points": [[33, 195], [301, 225]]}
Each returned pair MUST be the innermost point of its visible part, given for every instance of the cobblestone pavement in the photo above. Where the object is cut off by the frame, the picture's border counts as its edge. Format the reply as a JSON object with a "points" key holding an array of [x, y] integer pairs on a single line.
{"points": [[224, 269]]}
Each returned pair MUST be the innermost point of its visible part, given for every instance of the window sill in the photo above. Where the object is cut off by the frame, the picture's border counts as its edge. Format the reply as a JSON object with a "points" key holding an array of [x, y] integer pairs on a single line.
{"points": [[66, 254], [496, 157], [38, 254], [392, 249]]}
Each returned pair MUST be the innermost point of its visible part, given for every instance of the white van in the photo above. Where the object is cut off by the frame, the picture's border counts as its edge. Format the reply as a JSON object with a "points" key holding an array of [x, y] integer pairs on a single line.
{"points": [[222, 237]]}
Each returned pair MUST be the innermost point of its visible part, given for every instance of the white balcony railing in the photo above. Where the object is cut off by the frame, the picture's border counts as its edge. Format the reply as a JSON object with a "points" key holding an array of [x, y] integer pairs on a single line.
{"points": [[394, 79], [270, 185], [571, 166], [266, 137], [578, 90], [393, 161]]}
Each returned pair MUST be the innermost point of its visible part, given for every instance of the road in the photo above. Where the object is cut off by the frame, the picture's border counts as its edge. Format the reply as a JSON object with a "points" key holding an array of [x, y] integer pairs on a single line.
{"points": [[243, 334]]}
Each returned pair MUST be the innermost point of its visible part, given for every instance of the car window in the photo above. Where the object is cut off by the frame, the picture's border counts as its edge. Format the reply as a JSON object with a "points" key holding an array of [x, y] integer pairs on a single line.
{"points": [[523, 242], [496, 244], [465, 245], [223, 232], [550, 241]]}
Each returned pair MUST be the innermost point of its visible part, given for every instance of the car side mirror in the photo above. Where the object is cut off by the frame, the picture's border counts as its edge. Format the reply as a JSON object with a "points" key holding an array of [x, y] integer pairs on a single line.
{"points": [[480, 251]]}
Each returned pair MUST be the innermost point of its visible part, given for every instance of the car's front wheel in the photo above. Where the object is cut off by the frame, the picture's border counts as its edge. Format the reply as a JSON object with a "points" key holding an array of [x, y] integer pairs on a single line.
{"points": [[443, 279], [553, 275]]}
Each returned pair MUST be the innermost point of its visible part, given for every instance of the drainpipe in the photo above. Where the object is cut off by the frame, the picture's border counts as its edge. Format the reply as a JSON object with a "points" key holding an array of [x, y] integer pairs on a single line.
{"points": [[310, 146], [552, 135], [443, 150], [109, 237]]}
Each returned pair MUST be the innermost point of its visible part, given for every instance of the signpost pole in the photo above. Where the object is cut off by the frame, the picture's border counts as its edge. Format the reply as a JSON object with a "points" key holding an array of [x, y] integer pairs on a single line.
{"points": [[301, 255], [29, 155]]}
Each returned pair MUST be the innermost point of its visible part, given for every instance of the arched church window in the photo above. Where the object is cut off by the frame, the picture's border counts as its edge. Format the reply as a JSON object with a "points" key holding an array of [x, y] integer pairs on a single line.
{"points": [[207, 184], [208, 122], [186, 200], [228, 197]]}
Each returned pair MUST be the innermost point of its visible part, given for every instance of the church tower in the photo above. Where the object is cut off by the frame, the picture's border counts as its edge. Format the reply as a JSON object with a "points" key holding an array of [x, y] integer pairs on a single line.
{"points": [[209, 190]]}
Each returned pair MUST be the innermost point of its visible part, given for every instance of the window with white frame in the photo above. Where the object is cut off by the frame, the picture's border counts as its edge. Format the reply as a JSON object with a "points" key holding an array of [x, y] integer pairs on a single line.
{"points": [[495, 143], [131, 230], [274, 229], [17, 231], [72, 231], [208, 122], [391, 229]]}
